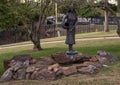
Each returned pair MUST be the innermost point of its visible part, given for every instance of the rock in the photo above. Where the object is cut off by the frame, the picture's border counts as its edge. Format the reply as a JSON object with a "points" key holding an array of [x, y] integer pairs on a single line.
{"points": [[12, 63], [33, 61], [101, 53], [79, 65], [69, 70], [15, 76], [17, 66], [59, 73], [77, 58], [30, 68], [7, 75], [48, 75], [43, 75], [26, 63], [53, 67], [40, 67], [63, 58], [37, 69], [93, 59], [110, 58], [103, 60], [19, 69], [6, 64], [22, 58], [21, 74], [98, 65], [84, 58], [33, 75], [28, 76], [88, 70], [45, 61], [85, 64]]}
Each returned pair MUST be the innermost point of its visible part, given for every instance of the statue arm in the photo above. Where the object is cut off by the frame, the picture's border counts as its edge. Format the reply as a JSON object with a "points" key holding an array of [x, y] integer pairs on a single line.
{"points": [[64, 18], [76, 20]]}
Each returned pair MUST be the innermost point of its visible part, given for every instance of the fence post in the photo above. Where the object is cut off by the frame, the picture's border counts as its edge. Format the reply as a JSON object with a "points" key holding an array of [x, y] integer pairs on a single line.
{"points": [[58, 32]]}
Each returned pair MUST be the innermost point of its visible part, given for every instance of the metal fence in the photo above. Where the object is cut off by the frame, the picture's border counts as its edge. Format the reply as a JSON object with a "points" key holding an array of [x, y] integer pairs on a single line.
{"points": [[48, 31]]}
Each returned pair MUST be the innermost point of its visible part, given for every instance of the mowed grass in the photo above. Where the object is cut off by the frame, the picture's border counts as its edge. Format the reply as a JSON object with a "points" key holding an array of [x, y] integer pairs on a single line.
{"points": [[108, 76]]}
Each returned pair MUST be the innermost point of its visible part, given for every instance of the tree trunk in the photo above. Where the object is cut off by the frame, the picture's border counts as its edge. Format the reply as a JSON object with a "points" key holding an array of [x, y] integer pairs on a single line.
{"points": [[35, 36], [106, 27], [118, 29]]}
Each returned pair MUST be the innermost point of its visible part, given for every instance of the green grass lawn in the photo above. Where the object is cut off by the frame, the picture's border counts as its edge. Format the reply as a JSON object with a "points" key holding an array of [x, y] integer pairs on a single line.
{"points": [[108, 76]]}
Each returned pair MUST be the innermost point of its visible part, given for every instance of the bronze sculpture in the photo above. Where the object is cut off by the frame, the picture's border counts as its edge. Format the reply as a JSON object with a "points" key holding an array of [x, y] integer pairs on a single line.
{"points": [[69, 22]]}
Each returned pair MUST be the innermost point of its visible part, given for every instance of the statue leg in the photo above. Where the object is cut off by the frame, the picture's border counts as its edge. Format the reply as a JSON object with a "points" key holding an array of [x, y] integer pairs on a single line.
{"points": [[70, 47]]}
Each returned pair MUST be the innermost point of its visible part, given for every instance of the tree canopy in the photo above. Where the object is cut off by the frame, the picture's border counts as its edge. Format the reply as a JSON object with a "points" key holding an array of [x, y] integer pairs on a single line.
{"points": [[13, 12], [84, 8]]}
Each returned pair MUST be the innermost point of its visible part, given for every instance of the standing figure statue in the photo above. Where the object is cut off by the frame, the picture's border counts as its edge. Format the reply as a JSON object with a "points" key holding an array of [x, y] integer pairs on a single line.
{"points": [[69, 22]]}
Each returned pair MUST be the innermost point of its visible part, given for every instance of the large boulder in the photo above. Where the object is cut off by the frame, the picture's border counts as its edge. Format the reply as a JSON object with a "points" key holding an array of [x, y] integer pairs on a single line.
{"points": [[63, 58]]}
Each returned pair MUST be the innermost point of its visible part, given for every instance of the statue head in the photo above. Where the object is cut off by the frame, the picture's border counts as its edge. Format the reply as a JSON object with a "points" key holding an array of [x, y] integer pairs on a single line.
{"points": [[71, 8]]}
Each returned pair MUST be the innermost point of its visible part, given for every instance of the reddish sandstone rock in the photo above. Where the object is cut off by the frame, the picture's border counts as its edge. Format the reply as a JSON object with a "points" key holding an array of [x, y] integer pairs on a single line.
{"points": [[69, 70], [85, 64], [53, 67], [63, 58]]}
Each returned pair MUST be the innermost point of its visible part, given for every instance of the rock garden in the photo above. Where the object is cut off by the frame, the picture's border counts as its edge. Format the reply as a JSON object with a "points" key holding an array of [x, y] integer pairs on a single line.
{"points": [[24, 67]]}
